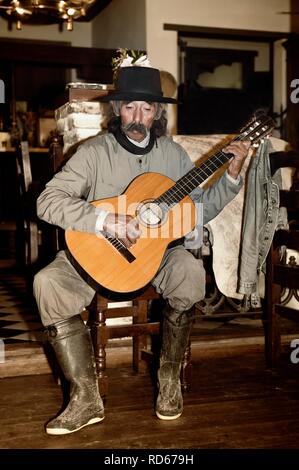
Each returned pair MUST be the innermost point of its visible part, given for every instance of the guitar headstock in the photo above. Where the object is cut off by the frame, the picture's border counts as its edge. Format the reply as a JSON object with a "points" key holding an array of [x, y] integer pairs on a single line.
{"points": [[259, 127]]}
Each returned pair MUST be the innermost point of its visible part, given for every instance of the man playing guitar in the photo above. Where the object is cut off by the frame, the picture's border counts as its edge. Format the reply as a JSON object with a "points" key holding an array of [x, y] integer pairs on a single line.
{"points": [[103, 167]]}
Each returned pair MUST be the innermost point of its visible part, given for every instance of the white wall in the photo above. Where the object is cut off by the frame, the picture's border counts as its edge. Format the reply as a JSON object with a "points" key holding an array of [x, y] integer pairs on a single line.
{"points": [[139, 24], [237, 14], [121, 24], [81, 36]]}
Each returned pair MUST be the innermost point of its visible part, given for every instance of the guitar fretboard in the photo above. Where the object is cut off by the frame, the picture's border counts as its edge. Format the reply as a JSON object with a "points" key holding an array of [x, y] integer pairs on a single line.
{"points": [[254, 132], [194, 178]]}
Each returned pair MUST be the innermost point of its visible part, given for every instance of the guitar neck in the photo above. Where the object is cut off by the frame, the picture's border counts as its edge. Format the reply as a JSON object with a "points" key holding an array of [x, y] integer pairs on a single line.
{"points": [[191, 180]]}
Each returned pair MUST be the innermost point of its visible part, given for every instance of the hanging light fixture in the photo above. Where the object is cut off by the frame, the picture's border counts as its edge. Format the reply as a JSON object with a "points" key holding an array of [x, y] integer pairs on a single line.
{"points": [[45, 12]]}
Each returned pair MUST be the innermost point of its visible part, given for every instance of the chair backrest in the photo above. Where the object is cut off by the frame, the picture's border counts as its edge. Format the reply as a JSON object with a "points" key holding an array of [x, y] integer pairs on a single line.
{"points": [[282, 270], [37, 236], [27, 225], [25, 165]]}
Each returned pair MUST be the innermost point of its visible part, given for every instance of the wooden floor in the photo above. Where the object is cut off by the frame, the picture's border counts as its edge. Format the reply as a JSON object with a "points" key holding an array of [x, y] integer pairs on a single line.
{"points": [[234, 404]]}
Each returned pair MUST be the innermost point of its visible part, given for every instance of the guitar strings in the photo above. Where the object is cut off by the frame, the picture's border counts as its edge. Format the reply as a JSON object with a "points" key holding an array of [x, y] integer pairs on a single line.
{"points": [[193, 178]]}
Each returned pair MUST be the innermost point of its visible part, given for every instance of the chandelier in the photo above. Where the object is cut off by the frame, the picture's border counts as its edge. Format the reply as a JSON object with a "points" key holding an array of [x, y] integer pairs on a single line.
{"points": [[45, 12]]}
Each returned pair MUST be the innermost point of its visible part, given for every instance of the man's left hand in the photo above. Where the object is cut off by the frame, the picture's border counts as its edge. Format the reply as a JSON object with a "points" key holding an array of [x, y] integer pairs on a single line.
{"points": [[240, 152]]}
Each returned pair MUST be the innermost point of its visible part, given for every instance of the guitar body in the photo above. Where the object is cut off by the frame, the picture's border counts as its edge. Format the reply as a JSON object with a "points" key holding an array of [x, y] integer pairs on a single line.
{"points": [[105, 264]]}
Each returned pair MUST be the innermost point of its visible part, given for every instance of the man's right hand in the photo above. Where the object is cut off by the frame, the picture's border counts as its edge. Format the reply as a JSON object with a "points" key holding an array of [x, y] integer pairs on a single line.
{"points": [[124, 227]]}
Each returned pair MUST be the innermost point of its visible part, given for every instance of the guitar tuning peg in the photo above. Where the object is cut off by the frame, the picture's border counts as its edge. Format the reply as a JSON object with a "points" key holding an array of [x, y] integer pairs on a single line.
{"points": [[260, 141]]}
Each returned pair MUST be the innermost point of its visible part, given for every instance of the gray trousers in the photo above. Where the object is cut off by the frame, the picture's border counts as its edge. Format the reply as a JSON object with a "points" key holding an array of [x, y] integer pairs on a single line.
{"points": [[61, 292]]}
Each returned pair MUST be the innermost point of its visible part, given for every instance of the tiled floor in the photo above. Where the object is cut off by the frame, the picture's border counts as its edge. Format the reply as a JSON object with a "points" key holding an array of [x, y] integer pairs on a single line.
{"points": [[19, 318]]}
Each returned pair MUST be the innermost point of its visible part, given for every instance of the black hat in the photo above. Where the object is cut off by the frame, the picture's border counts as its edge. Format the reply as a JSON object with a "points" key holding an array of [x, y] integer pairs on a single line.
{"points": [[138, 84]]}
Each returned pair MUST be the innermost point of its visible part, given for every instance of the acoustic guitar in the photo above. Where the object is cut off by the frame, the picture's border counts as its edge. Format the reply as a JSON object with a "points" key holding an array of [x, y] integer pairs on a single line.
{"points": [[165, 213]]}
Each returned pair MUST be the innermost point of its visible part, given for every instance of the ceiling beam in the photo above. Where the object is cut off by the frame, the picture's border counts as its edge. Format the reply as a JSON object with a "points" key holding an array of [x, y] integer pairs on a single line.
{"points": [[294, 16], [226, 33]]}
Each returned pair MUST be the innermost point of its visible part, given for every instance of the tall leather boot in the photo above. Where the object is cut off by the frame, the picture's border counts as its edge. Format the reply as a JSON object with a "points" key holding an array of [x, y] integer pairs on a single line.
{"points": [[175, 336], [74, 351]]}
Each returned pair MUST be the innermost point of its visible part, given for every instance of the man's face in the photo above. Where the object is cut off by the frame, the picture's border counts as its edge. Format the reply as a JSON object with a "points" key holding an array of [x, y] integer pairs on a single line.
{"points": [[137, 118]]}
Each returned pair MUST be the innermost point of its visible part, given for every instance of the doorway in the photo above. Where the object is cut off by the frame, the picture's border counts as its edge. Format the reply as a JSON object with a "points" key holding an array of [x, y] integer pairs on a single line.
{"points": [[221, 89]]}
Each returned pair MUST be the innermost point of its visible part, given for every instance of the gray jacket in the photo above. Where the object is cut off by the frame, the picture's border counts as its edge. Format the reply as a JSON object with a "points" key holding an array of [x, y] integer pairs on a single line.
{"points": [[262, 216], [101, 168]]}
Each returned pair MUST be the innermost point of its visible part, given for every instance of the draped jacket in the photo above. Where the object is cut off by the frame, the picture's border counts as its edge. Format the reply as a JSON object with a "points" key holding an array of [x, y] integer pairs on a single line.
{"points": [[262, 216]]}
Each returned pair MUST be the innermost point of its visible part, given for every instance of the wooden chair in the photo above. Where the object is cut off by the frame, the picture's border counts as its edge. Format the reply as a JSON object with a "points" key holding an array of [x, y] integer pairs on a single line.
{"points": [[140, 329], [27, 206], [23, 228], [34, 234], [281, 273]]}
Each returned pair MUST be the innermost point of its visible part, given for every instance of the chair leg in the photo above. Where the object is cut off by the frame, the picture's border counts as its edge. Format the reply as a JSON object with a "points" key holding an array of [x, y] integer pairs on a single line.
{"points": [[140, 341], [271, 321], [272, 339], [98, 330]]}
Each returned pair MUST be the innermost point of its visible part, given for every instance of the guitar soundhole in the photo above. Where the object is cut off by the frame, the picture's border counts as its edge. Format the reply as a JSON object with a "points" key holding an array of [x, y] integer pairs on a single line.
{"points": [[150, 214]]}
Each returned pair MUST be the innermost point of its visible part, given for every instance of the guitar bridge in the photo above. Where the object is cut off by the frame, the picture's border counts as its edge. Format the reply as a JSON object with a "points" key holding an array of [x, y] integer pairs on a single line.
{"points": [[121, 248]]}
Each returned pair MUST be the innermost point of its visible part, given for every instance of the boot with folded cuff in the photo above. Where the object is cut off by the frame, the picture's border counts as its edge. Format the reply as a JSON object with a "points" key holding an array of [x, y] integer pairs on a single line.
{"points": [[175, 337], [74, 352]]}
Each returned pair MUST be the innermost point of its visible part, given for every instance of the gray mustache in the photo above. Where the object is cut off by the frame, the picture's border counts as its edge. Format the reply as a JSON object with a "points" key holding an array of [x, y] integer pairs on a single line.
{"points": [[133, 126]]}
